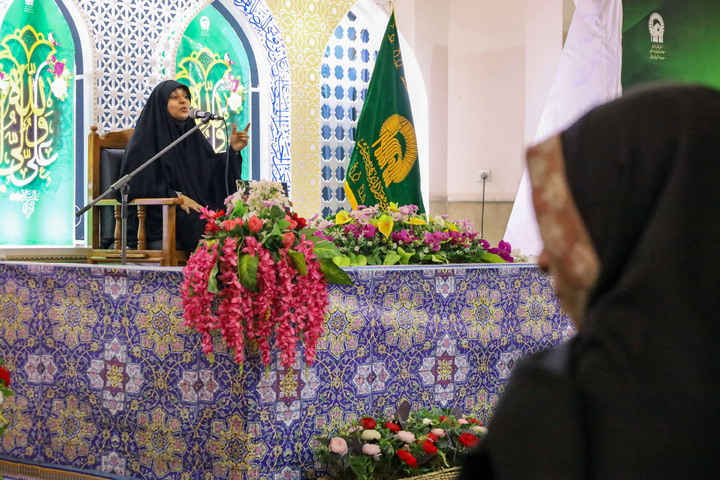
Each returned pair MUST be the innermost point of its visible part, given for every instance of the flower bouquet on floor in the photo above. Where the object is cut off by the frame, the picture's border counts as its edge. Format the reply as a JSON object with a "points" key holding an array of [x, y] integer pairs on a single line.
{"points": [[258, 276], [4, 392], [399, 235], [407, 445]]}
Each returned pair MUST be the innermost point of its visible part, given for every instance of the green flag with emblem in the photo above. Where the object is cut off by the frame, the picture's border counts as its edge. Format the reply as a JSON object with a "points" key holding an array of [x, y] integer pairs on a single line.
{"points": [[384, 165]]}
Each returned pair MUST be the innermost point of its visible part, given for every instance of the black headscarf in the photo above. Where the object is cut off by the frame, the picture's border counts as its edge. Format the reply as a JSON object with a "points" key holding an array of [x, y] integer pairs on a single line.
{"points": [[645, 175], [192, 167], [636, 393]]}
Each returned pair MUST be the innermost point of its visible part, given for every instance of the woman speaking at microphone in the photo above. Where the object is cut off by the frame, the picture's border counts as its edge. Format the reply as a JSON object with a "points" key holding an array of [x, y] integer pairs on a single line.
{"points": [[191, 171]]}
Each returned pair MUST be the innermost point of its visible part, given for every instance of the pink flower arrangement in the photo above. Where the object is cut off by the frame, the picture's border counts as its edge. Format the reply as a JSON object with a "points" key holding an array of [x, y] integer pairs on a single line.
{"points": [[401, 236], [259, 276]]}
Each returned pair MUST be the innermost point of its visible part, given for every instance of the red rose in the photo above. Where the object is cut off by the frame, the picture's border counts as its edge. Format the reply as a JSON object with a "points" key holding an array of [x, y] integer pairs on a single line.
{"points": [[211, 227], [218, 214], [445, 419], [255, 224], [468, 439], [472, 420], [288, 239], [301, 222], [407, 457], [392, 426], [5, 376], [432, 437], [368, 423], [430, 447]]}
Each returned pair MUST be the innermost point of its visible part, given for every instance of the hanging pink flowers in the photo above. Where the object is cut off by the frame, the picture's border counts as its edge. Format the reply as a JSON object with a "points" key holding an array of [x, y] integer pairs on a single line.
{"points": [[260, 277]]}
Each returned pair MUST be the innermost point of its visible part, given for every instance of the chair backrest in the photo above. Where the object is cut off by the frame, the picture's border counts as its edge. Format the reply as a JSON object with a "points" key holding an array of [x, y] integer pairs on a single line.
{"points": [[106, 154]]}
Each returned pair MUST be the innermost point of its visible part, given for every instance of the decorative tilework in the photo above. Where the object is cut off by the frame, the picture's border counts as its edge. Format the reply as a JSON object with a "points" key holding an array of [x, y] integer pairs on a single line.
{"points": [[107, 379]]}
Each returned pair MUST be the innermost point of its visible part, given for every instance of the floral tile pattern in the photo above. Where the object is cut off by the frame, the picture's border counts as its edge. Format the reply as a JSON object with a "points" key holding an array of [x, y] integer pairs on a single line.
{"points": [[108, 379]]}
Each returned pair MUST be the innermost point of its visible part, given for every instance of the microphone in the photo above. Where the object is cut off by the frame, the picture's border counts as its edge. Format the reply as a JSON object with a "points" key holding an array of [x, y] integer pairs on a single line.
{"points": [[195, 113]]}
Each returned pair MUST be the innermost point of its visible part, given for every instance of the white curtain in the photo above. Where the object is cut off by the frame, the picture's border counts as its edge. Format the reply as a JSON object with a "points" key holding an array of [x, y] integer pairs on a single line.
{"points": [[588, 74]]}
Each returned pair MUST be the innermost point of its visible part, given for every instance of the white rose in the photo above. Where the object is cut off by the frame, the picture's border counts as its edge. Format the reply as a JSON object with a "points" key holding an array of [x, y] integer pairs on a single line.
{"points": [[370, 435], [234, 102], [59, 87]]}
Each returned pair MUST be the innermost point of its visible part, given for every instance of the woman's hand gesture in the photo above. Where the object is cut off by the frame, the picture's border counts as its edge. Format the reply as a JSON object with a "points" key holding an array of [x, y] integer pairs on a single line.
{"points": [[239, 138]]}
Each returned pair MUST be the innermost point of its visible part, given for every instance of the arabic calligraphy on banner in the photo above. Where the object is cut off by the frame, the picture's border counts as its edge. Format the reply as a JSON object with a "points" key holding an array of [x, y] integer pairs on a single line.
{"points": [[212, 61], [36, 127]]}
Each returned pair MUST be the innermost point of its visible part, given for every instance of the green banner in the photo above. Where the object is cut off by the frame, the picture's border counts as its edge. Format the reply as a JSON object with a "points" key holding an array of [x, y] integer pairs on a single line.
{"points": [[670, 40], [384, 165], [37, 112], [212, 61]]}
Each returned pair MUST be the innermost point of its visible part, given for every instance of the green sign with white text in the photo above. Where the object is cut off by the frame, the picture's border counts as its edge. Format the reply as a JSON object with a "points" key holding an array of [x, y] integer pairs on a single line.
{"points": [[670, 40], [37, 96]]}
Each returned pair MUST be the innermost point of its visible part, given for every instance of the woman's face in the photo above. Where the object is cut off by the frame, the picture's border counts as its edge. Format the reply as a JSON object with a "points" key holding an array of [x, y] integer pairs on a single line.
{"points": [[179, 104]]}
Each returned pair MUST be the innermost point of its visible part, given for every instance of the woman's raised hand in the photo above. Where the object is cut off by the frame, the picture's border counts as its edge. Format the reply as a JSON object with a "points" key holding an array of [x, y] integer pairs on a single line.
{"points": [[239, 138]]}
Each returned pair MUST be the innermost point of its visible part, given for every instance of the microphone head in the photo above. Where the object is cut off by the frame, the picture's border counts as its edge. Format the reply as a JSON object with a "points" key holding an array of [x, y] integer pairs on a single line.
{"points": [[195, 113]]}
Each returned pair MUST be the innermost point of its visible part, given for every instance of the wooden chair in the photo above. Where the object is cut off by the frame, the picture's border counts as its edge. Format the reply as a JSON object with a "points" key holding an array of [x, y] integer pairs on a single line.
{"points": [[106, 152]]}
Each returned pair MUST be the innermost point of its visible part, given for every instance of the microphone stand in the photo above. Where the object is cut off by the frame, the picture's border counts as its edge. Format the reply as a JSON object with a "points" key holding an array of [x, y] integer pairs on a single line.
{"points": [[122, 186]]}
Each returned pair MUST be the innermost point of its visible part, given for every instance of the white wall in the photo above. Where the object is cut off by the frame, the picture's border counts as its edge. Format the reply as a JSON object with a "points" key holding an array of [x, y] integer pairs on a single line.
{"points": [[487, 67]]}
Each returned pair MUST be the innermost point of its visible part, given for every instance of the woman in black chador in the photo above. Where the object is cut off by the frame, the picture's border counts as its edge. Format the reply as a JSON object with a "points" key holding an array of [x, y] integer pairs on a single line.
{"points": [[191, 171], [627, 202]]}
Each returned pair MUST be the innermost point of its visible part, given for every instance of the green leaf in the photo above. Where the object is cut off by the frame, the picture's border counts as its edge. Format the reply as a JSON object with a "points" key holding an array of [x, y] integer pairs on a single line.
{"points": [[326, 249], [405, 256], [238, 210], [374, 259], [391, 258], [439, 259], [334, 274], [309, 234], [276, 212], [283, 224], [298, 260], [276, 230], [212, 280], [358, 261], [247, 271], [341, 261], [492, 258]]}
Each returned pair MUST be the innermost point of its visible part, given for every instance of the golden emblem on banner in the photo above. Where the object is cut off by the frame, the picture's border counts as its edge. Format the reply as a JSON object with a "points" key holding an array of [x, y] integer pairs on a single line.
{"points": [[394, 163]]}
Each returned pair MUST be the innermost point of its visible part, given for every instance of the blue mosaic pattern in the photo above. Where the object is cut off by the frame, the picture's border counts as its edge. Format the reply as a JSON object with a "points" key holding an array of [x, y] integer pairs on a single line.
{"points": [[107, 379], [344, 76]]}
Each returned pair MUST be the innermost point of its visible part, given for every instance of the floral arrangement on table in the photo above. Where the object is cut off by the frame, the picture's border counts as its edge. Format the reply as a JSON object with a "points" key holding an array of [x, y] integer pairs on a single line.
{"points": [[399, 235], [260, 274], [4, 392], [407, 445]]}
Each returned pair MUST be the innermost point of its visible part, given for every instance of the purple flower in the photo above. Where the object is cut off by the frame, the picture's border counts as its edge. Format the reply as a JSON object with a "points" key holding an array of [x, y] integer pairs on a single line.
{"points": [[368, 231], [434, 240], [403, 236], [59, 67]]}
